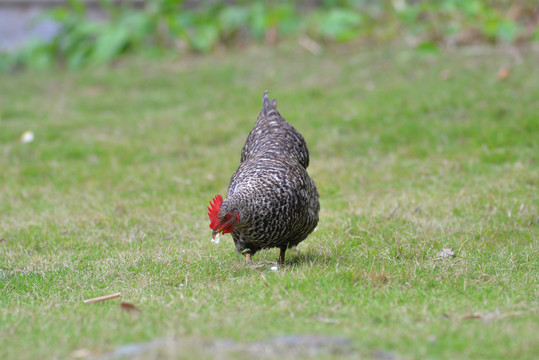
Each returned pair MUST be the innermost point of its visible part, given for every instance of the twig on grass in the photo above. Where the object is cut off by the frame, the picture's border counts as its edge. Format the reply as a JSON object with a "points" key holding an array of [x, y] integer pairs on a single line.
{"points": [[393, 212], [103, 298]]}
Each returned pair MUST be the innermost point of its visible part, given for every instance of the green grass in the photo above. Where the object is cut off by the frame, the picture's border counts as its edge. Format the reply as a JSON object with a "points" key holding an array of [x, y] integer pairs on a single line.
{"points": [[112, 194]]}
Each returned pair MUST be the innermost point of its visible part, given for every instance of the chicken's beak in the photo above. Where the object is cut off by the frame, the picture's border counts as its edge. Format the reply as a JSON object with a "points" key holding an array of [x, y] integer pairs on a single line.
{"points": [[214, 234]]}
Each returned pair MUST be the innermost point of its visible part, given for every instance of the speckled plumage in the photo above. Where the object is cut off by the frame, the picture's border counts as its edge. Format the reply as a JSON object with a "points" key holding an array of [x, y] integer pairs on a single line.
{"points": [[272, 134], [271, 190]]}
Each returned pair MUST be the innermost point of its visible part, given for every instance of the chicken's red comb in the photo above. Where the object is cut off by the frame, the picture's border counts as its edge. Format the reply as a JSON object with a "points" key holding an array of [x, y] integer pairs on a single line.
{"points": [[213, 211]]}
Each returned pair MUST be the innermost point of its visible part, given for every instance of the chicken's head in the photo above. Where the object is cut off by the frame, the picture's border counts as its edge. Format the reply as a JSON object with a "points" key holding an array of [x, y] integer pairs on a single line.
{"points": [[221, 222]]}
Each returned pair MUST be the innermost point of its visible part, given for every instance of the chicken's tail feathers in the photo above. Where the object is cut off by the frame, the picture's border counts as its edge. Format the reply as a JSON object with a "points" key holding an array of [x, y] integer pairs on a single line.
{"points": [[268, 105]]}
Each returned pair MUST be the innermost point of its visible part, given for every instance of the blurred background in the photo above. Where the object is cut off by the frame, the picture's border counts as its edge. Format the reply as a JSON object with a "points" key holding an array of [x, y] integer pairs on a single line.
{"points": [[72, 33]]}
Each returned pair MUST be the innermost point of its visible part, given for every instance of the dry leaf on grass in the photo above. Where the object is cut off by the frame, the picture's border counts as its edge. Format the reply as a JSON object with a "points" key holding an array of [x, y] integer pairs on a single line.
{"points": [[472, 316], [310, 45], [265, 280], [83, 353], [503, 73], [494, 315], [130, 308]]}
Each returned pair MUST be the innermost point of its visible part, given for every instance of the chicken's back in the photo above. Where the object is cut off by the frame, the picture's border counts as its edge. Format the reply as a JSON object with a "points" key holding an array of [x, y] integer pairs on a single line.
{"points": [[272, 134]]}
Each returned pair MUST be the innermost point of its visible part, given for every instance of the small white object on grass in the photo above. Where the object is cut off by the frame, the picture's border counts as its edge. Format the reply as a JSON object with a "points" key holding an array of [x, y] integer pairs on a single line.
{"points": [[27, 137], [216, 239], [274, 268], [446, 253]]}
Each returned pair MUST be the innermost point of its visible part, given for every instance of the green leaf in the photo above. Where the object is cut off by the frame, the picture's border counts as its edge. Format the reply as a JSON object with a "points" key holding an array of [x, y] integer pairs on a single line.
{"points": [[205, 38], [428, 48], [77, 58], [258, 20], [110, 44], [340, 24], [507, 31], [78, 7], [233, 17]]}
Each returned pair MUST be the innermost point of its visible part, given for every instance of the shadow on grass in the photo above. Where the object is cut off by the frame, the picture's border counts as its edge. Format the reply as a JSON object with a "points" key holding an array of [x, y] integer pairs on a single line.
{"points": [[298, 258], [293, 260]]}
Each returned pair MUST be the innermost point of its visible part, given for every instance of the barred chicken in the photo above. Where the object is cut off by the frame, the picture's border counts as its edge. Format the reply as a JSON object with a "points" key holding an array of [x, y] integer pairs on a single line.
{"points": [[271, 201]]}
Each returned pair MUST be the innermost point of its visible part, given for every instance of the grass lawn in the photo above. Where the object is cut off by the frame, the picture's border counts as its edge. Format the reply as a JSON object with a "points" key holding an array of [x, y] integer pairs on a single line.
{"points": [[411, 154]]}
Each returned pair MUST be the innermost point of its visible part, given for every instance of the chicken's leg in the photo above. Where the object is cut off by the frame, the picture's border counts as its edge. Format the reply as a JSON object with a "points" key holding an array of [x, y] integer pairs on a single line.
{"points": [[281, 256], [248, 257]]}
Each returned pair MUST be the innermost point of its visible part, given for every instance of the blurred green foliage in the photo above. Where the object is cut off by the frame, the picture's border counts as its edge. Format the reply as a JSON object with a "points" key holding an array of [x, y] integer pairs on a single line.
{"points": [[166, 25]]}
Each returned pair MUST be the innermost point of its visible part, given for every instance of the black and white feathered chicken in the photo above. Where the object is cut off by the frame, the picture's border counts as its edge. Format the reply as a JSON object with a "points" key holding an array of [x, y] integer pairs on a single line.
{"points": [[271, 201]]}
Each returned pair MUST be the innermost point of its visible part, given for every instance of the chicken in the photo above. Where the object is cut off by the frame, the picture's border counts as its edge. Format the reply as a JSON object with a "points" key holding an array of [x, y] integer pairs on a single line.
{"points": [[271, 200]]}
